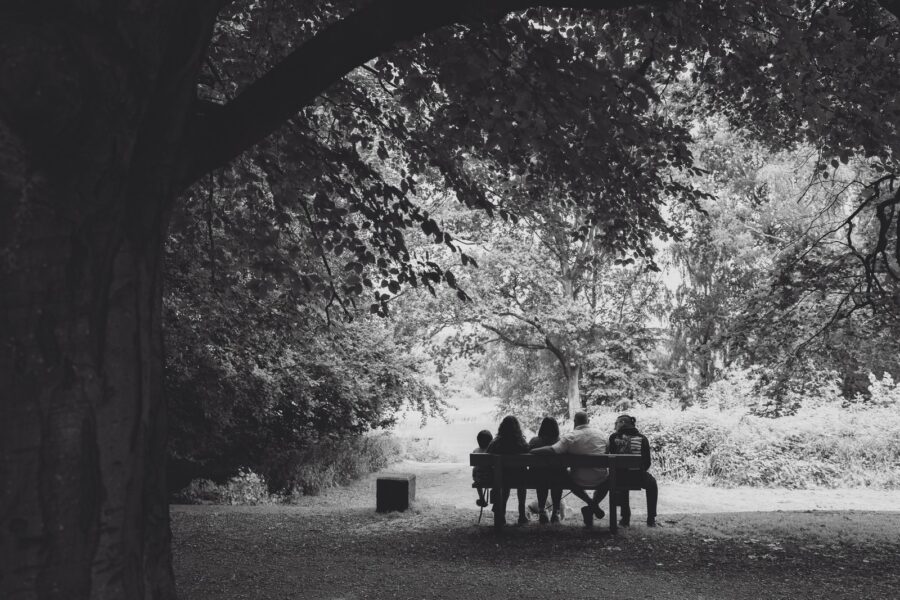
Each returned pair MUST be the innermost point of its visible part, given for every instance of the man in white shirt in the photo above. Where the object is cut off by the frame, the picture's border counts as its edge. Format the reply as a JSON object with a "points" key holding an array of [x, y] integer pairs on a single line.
{"points": [[583, 440]]}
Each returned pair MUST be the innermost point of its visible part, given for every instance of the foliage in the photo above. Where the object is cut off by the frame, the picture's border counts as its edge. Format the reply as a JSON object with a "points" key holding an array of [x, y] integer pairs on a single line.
{"points": [[814, 57], [366, 166], [245, 488], [826, 443], [259, 370], [364, 159], [337, 461], [527, 384], [767, 277], [315, 469]]}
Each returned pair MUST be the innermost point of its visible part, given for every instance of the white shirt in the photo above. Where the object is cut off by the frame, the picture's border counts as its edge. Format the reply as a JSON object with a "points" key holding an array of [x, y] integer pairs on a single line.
{"points": [[584, 440]]}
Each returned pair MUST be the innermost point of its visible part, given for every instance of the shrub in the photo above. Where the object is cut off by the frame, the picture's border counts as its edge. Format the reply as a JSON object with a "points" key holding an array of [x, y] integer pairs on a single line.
{"points": [[884, 391], [244, 488], [319, 467], [334, 462], [825, 443]]}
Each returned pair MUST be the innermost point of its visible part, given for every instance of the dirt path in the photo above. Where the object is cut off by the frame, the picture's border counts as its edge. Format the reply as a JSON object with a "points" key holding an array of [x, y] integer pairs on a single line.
{"points": [[448, 484], [715, 543]]}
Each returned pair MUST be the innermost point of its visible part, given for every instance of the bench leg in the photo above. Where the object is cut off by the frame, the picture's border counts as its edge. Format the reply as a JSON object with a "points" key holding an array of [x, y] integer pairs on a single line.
{"points": [[613, 521]]}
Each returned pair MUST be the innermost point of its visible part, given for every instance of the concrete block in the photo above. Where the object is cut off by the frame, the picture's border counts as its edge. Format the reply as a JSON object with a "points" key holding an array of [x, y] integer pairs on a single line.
{"points": [[395, 492]]}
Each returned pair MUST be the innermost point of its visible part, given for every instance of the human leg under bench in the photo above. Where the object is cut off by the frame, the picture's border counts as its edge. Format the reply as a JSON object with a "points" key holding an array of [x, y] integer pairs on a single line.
{"points": [[523, 516], [593, 503], [542, 504], [500, 501], [648, 483]]}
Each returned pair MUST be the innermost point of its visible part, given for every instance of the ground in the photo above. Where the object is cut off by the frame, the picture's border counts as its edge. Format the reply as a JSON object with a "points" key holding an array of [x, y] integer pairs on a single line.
{"points": [[713, 543]]}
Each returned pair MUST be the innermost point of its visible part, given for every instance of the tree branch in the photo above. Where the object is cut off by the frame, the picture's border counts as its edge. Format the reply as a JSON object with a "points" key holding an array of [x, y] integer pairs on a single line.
{"points": [[308, 71], [524, 319], [511, 341]]}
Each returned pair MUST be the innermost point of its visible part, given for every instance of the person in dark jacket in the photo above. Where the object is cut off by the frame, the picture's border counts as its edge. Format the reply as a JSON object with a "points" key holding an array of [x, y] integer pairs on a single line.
{"points": [[548, 434], [628, 440], [509, 440], [482, 476]]}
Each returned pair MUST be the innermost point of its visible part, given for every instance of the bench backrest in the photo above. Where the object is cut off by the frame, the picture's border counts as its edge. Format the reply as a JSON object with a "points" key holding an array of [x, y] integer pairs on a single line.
{"points": [[615, 461]]}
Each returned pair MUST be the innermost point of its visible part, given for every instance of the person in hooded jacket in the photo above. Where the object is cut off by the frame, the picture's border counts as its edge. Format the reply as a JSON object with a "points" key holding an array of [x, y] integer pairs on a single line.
{"points": [[628, 440]]}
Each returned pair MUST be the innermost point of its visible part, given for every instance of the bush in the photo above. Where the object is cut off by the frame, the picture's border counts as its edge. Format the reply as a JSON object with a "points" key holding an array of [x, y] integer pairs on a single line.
{"points": [[334, 462], [825, 443], [322, 466], [244, 488]]}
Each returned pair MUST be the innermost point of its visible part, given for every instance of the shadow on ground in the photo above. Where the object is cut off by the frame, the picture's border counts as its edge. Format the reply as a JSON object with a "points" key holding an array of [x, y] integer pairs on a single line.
{"points": [[321, 551]]}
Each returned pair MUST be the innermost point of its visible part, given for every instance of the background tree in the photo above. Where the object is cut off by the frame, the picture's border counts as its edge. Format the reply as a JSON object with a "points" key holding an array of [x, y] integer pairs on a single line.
{"points": [[539, 288], [769, 276]]}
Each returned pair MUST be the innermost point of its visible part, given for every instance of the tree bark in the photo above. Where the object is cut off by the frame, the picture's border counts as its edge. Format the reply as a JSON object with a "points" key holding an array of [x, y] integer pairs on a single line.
{"points": [[573, 388], [90, 124]]}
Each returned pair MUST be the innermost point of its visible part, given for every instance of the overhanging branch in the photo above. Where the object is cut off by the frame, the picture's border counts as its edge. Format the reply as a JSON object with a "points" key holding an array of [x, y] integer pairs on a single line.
{"points": [[511, 341], [303, 75]]}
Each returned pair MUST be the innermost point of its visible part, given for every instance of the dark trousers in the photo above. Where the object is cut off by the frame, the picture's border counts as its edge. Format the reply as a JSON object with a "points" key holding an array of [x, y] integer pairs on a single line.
{"points": [[501, 499], [555, 480], [555, 497], [648, 483]]}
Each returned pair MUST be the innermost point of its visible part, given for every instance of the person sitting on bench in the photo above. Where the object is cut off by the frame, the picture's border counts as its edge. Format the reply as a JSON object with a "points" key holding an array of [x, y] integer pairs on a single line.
{"points": [[628, 440], [583, 440], [548, 434], [482, 476], [509, 440]]}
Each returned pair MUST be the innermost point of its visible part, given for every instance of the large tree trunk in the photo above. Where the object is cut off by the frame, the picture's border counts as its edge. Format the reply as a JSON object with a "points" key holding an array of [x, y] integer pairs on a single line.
{"points": [[84, 510], [90, 123]]}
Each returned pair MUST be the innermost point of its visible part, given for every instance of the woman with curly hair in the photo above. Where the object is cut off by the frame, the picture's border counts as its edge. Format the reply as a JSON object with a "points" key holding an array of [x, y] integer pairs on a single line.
{"points": [[509, 440]]}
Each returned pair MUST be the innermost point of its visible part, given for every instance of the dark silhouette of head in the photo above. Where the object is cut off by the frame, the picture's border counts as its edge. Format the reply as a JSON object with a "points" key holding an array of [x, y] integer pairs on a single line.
{"points": [[484, 438], [549, 430], [580, 418], [509, 428], [625, 422]]}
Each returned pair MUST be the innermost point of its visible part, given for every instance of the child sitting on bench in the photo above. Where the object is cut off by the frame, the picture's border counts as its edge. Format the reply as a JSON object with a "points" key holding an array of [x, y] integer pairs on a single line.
{"points": [[483, 476]]}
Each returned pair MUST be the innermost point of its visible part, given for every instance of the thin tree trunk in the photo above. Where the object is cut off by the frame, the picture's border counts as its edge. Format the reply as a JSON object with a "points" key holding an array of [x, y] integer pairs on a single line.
{"points": [[573, 388]]}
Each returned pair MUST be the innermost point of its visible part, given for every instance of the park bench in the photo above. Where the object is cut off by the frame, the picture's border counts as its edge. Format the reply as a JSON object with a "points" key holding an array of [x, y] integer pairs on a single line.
{"points": [[620, 467]]}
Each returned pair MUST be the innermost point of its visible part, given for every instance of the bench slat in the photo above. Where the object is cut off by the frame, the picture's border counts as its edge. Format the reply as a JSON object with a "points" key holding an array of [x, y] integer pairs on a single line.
{"points": [[618, 461]]}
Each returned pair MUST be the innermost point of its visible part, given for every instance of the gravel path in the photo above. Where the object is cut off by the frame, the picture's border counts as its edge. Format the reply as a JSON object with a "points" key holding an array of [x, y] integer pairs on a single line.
{"points": [[714, 543]]}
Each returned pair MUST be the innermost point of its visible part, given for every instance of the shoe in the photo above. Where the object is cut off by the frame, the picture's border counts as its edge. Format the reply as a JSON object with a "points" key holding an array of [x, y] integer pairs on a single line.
{"points": [[481, 502], [588, 515], [598, 512], [624, 523], [554, 518], [523, 519], [651, 522], [543, 519]]}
